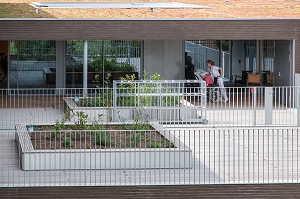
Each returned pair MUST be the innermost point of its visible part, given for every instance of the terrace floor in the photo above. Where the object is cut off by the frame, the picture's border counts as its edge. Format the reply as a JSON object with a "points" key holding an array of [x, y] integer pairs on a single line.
{"points": [[226, 157], [230, 157]]}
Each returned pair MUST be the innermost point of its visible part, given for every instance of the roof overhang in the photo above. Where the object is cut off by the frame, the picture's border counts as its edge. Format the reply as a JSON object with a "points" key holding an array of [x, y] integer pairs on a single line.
{"points": [[148, 29]]}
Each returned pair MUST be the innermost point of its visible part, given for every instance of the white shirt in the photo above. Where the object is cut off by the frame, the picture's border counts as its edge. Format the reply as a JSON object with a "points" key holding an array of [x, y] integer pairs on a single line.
{"points": [[214, 71]]}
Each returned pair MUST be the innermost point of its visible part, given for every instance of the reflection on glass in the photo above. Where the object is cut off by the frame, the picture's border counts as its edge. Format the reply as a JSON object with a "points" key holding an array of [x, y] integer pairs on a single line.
{"points": [[31, 63]]}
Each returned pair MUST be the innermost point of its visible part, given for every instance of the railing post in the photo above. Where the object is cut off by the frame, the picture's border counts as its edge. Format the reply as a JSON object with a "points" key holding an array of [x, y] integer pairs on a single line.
{"points": [[268, 105], [298, 106], [115, 93], [254, 106]]}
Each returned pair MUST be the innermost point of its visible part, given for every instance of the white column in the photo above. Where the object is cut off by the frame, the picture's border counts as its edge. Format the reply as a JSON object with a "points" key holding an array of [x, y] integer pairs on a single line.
{"points": [[298, 105], [268, 105], [85, 66]]}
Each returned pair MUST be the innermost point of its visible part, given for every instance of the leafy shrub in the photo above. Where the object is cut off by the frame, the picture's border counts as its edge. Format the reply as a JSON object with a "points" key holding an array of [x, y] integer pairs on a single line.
{"points": [[82, 120], [66, 142], [154, 144], [103, 138]]}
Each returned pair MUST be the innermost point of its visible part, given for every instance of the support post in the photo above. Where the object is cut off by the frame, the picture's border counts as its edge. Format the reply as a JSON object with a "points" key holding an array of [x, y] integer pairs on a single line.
{"points": [[254, 106], [268, 105], [85, 66], [298, 106]]}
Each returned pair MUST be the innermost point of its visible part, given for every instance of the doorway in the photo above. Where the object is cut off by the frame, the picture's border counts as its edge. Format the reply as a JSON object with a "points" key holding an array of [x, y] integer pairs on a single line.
{"points": [[3, 64]]}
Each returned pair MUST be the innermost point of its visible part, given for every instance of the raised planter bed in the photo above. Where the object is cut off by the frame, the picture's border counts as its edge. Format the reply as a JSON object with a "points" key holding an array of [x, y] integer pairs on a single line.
{"points": [[179, 156], [185, 112], [92, 112]]}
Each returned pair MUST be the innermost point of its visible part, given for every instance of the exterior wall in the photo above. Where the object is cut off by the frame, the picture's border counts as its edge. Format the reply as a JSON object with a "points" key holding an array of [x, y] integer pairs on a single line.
{"points": [[148, 29], [297, 46], [153, 29], [165, 58]]}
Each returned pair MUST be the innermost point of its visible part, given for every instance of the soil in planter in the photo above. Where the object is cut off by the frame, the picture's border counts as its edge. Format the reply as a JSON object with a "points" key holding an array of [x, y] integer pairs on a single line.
{"points": [[113, 137]]}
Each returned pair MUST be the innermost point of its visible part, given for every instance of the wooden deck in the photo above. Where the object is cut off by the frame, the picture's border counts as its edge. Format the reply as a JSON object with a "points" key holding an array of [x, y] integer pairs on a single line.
{"points": [[228, 191]]}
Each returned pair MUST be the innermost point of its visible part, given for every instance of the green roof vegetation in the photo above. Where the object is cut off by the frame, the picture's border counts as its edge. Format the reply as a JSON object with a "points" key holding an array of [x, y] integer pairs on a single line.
{"points": [[219, 9], [21, 10]]}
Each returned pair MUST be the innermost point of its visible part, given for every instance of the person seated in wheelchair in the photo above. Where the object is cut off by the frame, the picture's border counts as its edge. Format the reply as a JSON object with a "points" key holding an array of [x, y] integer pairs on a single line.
{"points": [[212, 87]]}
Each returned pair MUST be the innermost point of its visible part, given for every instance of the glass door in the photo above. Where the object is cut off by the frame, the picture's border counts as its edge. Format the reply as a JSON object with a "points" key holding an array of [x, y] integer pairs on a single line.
{"points": [[3, 64]]}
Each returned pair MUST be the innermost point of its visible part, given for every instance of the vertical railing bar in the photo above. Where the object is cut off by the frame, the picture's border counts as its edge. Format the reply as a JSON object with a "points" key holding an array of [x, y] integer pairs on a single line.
{"points": [[263, 152], [297, 154], [174, 151], [275, 105], [287, 155], [224, 155], [204, 132], [292, 155], [282, 154], [253, 154], [268, 155], [209, 156], [239, 160], [278, 169], [233, 155], [229, 159], [244, 146], [219, 133], [188, 158], [199, 150], [273, 156], [258, 156], [214, 156]]}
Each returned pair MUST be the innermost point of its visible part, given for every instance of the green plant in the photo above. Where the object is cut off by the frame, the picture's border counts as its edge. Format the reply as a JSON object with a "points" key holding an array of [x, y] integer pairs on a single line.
{"points": [[110, 66], [67, 114], [102, 99], [66, 142], [103, 138], [168, 144], [58, 126], [154, 144], [126, 87], [140, 121], [82, 120]]}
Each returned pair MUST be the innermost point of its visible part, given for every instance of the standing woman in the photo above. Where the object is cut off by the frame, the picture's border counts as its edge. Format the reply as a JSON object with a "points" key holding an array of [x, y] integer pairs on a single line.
{"points": [[216, 74]]}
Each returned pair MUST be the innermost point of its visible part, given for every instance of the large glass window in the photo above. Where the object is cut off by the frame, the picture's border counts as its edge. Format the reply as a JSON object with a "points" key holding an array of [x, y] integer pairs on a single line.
{"points": [[250, 55], [113, 57], [29, 62], [268, 55]]}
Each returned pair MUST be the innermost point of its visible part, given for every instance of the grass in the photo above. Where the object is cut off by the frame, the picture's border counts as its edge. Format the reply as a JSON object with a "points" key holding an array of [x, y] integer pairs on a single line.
{"points": [[219, 9], [21, 10]]}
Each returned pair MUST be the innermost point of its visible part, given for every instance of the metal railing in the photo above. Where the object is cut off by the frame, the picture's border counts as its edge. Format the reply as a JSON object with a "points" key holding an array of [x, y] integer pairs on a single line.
{"points": [[255, 106], [148, 157], [49, 105], [254, 139], [183, 104], [167, 101]]}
